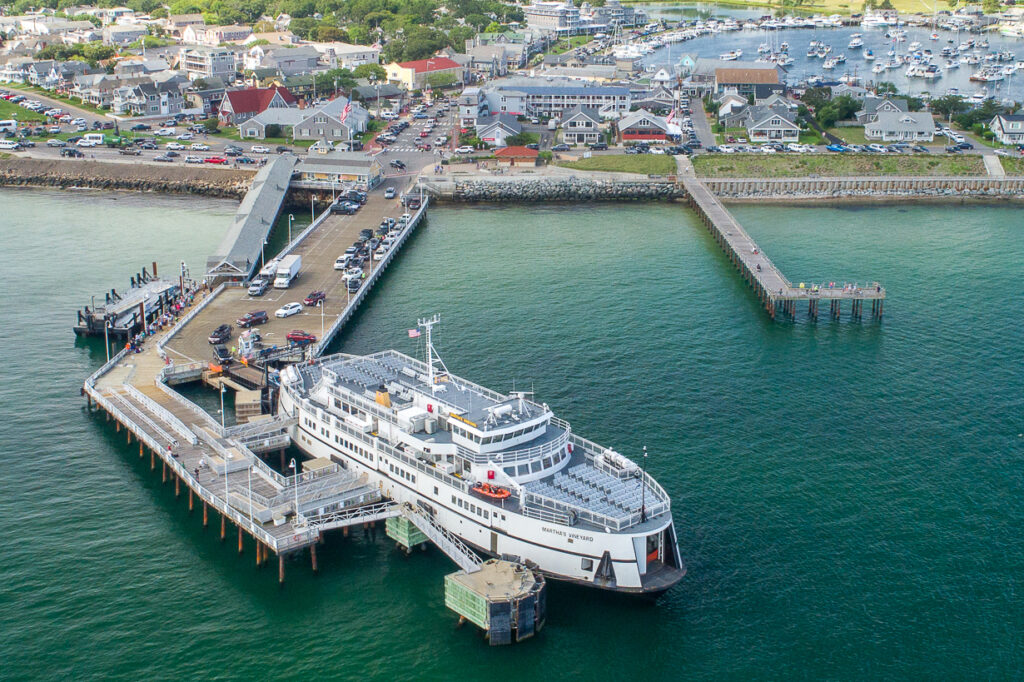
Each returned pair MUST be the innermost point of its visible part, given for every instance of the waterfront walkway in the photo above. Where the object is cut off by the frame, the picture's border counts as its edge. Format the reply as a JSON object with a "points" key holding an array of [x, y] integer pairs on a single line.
{"points": [[775, 291]]}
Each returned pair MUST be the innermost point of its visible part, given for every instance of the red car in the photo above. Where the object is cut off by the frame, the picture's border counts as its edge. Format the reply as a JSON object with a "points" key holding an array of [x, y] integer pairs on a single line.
{"points": [[314, 298], [424, 133], [215, 159], [253, 318], [299, 337]]}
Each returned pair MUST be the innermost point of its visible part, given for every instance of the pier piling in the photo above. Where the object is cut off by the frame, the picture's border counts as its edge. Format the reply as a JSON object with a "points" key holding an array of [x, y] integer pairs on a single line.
{"points": [[206, 515], [223, 527], [280, 569], [239, 539], [312, 555]]}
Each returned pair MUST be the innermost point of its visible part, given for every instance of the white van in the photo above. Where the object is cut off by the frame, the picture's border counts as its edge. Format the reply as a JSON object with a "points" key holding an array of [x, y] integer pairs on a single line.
{"points": [[9, 144], [10, 126]]}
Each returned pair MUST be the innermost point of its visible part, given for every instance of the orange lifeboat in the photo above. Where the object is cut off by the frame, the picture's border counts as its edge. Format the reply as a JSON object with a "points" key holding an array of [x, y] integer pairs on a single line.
{"points": [[492, 491]]}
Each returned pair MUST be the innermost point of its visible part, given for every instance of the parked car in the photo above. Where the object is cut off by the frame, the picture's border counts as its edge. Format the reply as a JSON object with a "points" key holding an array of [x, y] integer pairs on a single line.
{"points": [[199, 147], [215, 159], [127, 151], [560, 148], [258, 287], [245, 160], [193, 159], [354, 284], [260, 149], [464, 149], [288, 309], [184, 136], [315, 298], [599, 146], [389, 193], [163, 158], [300, 338], [71, 153], [351, 274], [252, 318], [174, 145], [395, 163], [221, 354], [341, 262], [56, 143], [139, 127], [220, 334]]}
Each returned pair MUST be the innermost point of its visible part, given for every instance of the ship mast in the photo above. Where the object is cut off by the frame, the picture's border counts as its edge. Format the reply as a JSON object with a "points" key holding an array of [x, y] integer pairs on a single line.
{"points": [[428, 325]]}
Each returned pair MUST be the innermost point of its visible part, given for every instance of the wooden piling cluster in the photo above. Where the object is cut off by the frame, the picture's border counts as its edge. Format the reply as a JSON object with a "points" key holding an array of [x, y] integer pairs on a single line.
{"points": [[776, 294]]}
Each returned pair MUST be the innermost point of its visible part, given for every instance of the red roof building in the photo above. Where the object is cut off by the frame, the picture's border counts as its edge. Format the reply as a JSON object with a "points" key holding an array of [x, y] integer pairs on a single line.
{"points": [[434, 72], [524, 155], [241, 105]]}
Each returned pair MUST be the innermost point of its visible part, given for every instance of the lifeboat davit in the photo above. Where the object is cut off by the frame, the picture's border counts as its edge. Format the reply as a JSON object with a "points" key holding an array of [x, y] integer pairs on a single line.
{"points": [[493, 491]]}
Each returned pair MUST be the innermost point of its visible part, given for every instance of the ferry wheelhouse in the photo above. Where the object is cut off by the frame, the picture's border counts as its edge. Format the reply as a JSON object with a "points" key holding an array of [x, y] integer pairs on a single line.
{"points": [[501, 472]]}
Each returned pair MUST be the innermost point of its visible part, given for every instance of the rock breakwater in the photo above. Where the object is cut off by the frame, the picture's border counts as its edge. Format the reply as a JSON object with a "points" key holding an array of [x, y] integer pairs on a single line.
{"points": [[73, 173], [553, 189]]}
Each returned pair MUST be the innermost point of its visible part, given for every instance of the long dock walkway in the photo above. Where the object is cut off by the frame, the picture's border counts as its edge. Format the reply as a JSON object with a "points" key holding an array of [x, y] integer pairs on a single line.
{"points": [[775, 291]]}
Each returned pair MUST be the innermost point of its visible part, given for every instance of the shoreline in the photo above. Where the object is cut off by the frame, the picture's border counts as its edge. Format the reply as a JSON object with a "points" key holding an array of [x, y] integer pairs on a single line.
{"points": [[53, 174]]}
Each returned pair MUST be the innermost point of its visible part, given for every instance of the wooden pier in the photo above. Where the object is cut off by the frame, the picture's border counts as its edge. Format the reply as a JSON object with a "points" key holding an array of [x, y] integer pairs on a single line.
{"points": [[218, 465], [778, 295]]}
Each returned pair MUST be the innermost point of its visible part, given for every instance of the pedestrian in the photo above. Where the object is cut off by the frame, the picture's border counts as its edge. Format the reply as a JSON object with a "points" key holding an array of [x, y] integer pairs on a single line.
{"points": [[197, 474]]}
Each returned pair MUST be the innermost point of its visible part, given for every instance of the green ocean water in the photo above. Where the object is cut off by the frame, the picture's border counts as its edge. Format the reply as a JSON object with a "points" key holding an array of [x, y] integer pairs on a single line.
{"points": [[848, 496]]}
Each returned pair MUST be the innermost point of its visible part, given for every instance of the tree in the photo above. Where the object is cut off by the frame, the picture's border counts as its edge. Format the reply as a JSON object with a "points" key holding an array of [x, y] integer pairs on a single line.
{"points": [[494, 27], [272, 130], [210, 125], [367, 70], [817, 98], [441, 80], [330, 34], [886, 88], [948, 106], [990, 6]]}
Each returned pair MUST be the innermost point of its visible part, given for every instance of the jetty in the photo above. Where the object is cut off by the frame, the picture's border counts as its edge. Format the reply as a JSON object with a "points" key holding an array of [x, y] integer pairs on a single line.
{"points": [[778, 295]]}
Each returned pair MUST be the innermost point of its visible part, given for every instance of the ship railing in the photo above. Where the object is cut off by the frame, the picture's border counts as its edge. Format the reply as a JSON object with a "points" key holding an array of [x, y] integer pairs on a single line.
{"points": [[513, 456], [161, 412], [591, 450], [547, 515], [375, 444], [260, 427], [577, 513]]}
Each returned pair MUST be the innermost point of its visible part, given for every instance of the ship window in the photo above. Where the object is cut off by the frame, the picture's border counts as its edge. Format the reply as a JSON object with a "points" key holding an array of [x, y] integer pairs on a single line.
{"points": [[486, 513], [547, 462], [435, 490], [524, 469], [453, 499], [535, 466], [587, 564], [510, 471]]}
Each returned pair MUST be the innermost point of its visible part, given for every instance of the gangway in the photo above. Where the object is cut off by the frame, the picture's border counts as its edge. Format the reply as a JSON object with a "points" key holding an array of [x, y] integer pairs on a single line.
{"points": [[447, 542], [319, 523]]}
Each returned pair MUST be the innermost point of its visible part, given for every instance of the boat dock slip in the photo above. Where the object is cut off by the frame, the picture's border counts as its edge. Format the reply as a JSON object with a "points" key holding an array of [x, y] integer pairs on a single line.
{"points": [[239, 252], [776, 292]]}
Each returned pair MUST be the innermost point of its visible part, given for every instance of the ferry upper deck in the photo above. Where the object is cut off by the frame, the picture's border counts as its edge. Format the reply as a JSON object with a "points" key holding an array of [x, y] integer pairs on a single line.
{"points": [[559, 476]]}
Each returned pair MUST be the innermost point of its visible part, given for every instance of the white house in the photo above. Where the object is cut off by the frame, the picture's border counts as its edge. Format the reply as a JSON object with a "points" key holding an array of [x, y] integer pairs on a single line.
{"points": [[1008, 128], [901, 126]]}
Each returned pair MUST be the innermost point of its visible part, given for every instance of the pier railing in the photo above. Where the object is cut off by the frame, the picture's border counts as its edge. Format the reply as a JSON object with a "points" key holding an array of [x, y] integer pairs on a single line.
{"points": [[317, 222], [164, 414], [323, 343], [185, 320], [205, 494], [107, 366]]}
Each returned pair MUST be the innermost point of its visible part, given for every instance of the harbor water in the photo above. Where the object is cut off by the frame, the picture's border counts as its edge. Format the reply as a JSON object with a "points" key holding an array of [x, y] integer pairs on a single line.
{"points": [[848, 495], [875, 40]]}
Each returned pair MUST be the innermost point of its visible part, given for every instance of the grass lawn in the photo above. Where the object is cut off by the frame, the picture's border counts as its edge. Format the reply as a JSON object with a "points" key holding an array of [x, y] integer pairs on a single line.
{"points": [[810, 137], [647, 164], [833, 165], [1012, 166], [853, 135], [60, 98], [232, 134], [563, 46]]}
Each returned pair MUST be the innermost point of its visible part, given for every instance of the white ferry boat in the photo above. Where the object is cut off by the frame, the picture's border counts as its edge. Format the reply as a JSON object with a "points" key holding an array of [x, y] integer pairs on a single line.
{"points": [[499, 471]]}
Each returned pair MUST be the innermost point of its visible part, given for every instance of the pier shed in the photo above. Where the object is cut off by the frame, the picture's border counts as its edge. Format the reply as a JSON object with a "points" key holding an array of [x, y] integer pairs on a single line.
{"points": [[238, 255]]}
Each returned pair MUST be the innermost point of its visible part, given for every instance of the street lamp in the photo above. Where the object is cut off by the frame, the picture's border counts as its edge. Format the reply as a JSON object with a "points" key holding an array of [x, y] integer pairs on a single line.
{"points": [[222, 390], [295, 468], [262, 244], [106, 337], [250, 491], [291, 217], [320, 304]]}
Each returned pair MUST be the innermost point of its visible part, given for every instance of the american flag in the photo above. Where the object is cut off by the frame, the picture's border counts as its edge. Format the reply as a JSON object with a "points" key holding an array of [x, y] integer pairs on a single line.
{"points": [[346, 111], [671, 116], [414, 333]]}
